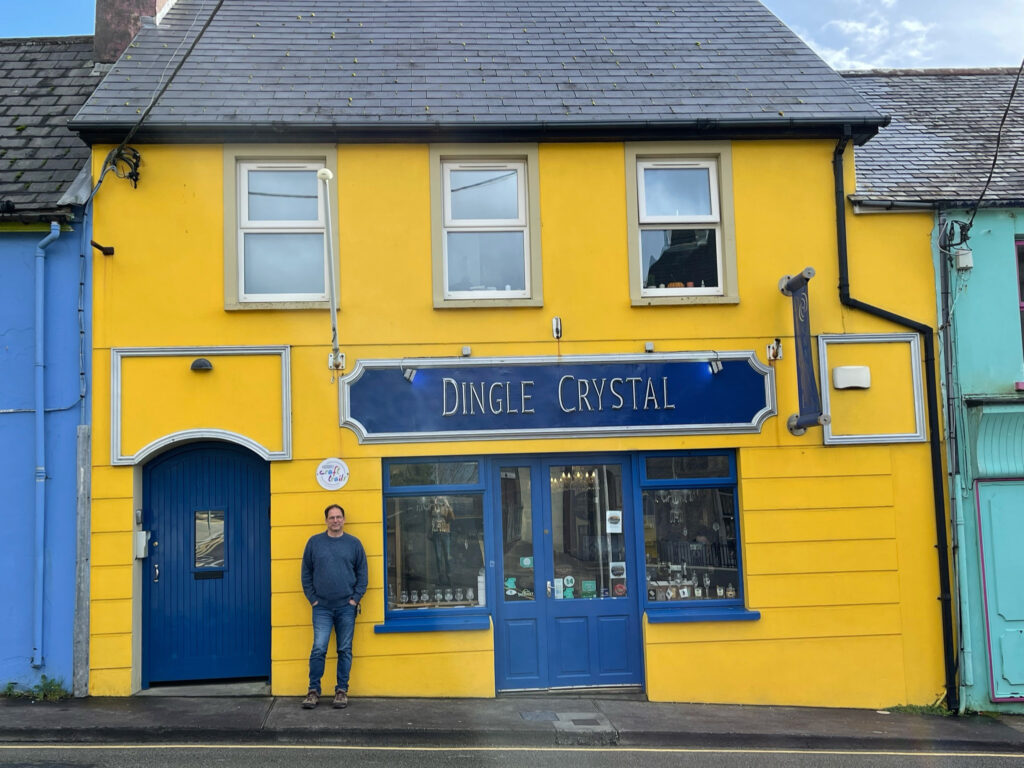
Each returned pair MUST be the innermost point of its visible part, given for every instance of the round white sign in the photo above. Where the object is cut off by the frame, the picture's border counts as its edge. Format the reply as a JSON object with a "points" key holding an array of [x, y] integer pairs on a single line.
{"points": [[332, 474]]}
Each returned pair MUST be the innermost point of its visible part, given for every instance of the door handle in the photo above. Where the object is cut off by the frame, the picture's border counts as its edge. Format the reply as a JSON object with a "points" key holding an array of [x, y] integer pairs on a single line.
{"points": [[156, 572], [549, 589]]}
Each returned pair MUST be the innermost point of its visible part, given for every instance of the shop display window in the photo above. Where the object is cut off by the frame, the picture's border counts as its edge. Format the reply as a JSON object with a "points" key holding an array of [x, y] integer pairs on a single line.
{"points": [[690, 529], [435, 539]]}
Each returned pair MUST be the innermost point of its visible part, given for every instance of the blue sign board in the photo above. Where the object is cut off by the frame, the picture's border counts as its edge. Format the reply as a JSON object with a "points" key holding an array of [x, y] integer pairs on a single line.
{"points": [[387, 401]]}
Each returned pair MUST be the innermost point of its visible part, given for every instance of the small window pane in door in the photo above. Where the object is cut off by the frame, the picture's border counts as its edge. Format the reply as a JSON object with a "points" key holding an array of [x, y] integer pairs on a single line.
{"points": [[517, 534], [587, 532], [209, 538]]}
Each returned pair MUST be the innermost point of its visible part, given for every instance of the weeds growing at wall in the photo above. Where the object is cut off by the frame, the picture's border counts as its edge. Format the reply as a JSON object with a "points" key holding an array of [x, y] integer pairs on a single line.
{"points": [[47, 689]]}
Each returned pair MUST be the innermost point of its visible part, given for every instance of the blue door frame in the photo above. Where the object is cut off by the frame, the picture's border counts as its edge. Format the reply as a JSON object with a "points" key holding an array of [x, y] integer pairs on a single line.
{"points": [[206, 582], [553, 642]]}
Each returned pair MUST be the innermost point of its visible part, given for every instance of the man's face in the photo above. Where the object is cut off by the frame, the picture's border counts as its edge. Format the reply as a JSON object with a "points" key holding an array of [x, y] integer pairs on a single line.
{"points": [[335, 520]]}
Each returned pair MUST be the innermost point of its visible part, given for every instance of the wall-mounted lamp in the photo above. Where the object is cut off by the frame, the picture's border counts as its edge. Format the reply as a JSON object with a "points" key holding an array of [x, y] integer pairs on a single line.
{"points": [[715, 366], [409, 374], [201, 365]]}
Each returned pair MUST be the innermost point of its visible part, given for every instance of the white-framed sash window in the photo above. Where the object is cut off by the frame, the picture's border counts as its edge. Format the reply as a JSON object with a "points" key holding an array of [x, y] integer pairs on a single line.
{"points": [[282, 241], [680, 227], [485, 232]]}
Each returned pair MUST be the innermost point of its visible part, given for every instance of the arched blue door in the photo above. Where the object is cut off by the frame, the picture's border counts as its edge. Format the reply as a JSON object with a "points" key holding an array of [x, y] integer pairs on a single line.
{"points": [[206, 583]]}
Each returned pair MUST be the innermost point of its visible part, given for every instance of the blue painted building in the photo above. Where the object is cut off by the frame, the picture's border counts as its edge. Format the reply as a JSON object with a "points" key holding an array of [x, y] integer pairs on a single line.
{"points": [[44, 343], [938, 154]]}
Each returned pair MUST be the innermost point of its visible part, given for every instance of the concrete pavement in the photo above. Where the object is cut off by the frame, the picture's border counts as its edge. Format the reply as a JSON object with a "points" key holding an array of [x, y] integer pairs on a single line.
{"points": [[513, 721]]}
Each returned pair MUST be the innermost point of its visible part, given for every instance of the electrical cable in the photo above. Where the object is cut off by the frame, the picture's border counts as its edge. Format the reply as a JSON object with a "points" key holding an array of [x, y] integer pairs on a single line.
{"points": [[124, 160], [964, 227]]}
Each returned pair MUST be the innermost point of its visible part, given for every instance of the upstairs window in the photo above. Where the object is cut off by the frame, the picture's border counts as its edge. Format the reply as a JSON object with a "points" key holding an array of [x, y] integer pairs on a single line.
{"points": [[680, 232], [680, 215], [1020, 281], [486, 238], [282, 244], [485, 213]]}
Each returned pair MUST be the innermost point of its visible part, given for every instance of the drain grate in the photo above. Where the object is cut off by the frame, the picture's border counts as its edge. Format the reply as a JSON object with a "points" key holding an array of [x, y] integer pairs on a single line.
{"points": [[590, 721]]}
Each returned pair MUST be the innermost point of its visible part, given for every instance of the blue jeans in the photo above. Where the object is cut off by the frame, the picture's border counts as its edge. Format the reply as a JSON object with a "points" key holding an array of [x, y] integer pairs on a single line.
{"points": [[343, 621]]}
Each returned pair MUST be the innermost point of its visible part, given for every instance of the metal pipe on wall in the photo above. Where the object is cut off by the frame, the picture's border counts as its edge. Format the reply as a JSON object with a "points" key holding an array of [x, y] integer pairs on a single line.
{"points": [[927, 334], [39, 386]]}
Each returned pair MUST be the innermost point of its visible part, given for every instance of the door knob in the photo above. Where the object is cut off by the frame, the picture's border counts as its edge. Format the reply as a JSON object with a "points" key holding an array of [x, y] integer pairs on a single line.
{"points": [[156, 572], [549, 589]]}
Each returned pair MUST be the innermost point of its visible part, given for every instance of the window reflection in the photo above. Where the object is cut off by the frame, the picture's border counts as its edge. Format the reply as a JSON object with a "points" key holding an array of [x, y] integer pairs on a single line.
{"points": [[679, 258], [435, 550], [587, 532], [209, 552], [677, 192], [517, 534], [690, 544]]}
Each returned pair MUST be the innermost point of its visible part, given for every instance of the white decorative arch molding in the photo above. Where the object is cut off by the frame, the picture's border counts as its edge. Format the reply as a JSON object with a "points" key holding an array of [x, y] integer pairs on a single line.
{"points": [[118, 458]]}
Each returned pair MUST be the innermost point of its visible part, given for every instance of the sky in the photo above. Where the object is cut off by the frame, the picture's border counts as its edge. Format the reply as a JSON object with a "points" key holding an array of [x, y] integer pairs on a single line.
{"points": [[848, 34]]}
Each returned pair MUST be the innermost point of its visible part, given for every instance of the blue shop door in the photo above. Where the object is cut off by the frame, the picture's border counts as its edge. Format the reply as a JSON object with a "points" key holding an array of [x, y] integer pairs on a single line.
{"points": [[567, 612], [206, 583], [1001, 507]]}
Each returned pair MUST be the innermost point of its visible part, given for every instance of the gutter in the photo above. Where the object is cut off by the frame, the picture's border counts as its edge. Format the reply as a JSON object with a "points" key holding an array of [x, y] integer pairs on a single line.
{"points": [[40, 446], [927, 334], [190, 132]]}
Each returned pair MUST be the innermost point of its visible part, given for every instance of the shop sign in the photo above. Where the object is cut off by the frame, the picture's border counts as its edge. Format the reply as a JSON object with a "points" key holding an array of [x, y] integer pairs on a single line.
{"points": [[426, 399]]}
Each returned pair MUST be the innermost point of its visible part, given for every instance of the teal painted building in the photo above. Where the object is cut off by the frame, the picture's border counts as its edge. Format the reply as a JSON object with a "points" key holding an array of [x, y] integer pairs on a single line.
{"points": [[937, 154]]}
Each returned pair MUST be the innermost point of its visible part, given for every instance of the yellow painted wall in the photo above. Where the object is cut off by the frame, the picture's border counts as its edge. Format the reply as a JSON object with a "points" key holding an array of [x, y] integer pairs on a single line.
{"points": [[837, 542]]}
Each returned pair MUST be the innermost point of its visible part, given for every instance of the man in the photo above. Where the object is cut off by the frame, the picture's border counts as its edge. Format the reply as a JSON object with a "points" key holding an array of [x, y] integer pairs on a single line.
{"points": [[334, 580]]}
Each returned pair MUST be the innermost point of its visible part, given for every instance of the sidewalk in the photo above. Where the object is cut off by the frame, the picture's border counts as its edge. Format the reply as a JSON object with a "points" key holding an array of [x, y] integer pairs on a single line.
{"points": [[515, 721]]}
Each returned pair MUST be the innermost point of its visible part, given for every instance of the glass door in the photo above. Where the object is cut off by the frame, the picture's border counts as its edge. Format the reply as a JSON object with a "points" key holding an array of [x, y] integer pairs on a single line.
{"points": [[568, 614]]}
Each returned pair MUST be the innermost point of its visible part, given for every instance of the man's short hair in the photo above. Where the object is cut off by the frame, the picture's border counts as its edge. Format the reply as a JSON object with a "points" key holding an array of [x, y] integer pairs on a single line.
{"points": [[334, 506]]}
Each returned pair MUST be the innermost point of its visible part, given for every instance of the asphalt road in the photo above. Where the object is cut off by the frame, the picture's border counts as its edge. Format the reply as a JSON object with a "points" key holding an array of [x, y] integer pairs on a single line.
{"points": [[286, 756]]}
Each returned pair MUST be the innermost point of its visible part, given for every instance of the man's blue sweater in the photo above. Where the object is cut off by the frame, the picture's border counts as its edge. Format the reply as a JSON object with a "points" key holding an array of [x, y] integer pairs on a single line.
{"points": [[333, 570]]}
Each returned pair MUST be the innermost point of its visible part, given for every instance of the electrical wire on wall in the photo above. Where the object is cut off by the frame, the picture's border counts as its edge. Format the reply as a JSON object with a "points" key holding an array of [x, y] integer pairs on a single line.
{"points": [[958, 232], [124, 160]]}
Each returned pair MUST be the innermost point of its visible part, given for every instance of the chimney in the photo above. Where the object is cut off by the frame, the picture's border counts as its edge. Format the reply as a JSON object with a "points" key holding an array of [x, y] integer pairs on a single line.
{"points": [[117, 22]]}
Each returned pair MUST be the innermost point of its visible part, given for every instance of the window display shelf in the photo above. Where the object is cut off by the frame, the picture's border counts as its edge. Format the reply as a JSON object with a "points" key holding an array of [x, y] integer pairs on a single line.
{"points": [[434, 604]]}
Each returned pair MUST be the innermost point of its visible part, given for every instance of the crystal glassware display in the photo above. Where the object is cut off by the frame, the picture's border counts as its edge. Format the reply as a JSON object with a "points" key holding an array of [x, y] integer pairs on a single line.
{"points": [[414, 596], [448, 595], [469, 593], [438, 594], [459, 594], [404, 597]]}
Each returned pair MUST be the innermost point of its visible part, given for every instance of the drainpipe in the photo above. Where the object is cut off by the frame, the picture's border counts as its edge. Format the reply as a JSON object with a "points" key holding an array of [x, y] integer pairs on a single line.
{"points": [[40, 430], [927, 334]]}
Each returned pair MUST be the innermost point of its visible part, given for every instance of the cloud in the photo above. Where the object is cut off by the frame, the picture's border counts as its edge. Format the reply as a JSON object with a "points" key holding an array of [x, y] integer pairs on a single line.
{"points": [[874, 41]]}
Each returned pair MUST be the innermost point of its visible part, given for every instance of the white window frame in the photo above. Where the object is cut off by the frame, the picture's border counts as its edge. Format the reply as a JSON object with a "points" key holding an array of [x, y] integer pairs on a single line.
{"points": [[711, 221], [246, 226], [518, 224]]}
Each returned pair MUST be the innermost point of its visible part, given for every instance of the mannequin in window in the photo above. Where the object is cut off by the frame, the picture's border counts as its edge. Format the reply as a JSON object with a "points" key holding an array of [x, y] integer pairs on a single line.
{"points": [[441, 516]]}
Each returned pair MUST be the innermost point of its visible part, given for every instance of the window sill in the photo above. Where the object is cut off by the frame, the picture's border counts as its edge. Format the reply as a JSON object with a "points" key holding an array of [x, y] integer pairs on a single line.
{"points": [[433, 624], [675, 301], [702, 613], [532, 301], [249, 305]]}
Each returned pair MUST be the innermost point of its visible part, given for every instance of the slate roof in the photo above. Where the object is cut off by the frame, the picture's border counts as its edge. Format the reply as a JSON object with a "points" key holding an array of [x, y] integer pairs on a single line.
{"points": [[396, 69], [939, 146], [43, 83]]}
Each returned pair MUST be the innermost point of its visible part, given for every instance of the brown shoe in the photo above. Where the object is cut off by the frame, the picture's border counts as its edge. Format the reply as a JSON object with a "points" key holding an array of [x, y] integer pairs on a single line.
{"points": [[340, 700], [311, 700]]}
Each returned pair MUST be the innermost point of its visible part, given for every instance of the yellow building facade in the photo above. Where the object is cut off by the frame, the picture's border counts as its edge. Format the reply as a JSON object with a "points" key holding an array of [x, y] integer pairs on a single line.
{"points": [[826, 545]]}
